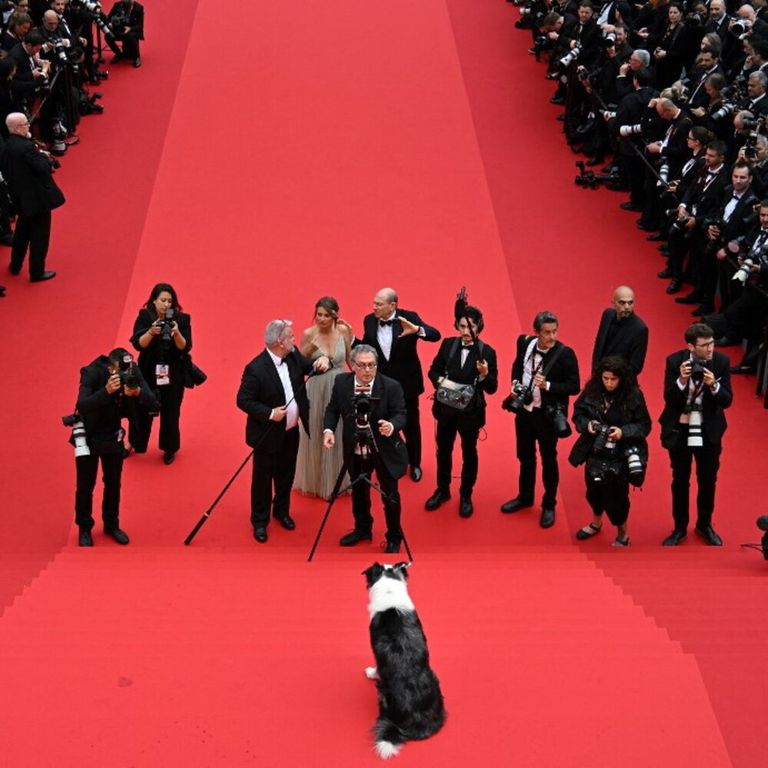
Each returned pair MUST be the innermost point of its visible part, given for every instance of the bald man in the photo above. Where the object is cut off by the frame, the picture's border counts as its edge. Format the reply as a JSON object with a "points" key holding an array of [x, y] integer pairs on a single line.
{"points": [[393, 333], [621, 331], [28, 174]]}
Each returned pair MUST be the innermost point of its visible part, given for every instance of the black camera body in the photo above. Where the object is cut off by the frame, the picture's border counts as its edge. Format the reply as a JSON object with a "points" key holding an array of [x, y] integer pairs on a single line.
{"points": [[166, 327], [559, 420], [602, 445], [129, 373], [524, 396], [697, 371]]}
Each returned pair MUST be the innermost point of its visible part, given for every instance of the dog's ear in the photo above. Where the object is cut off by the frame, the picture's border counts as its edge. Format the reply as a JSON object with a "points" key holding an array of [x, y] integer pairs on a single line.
{"points": [[373, 573], [401, 569]]}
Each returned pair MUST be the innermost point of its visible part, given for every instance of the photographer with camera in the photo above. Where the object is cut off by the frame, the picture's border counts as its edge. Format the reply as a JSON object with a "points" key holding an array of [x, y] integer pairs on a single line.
{"points": [[463, 370], [126, 20], [110, 388], [697, 390], [544, 374], [613, 421], [162, 335], [621, 332], [372, 408]]}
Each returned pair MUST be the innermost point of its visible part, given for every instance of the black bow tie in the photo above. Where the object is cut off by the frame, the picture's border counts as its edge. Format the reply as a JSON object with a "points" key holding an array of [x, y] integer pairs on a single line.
{"points": [[382, 323]]}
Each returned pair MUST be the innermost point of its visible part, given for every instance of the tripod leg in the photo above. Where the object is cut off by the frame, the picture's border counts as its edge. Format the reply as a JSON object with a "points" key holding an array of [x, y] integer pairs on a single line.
{"points": [[334, 496]]}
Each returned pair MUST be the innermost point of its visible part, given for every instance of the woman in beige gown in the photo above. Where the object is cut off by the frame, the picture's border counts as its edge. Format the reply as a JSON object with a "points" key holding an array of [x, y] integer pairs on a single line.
{"points": [[317, 468]]}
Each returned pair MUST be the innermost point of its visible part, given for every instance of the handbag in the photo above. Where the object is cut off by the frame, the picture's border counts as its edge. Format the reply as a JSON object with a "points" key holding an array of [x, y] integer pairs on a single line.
{"points": [[451, 393], [193, 376]]}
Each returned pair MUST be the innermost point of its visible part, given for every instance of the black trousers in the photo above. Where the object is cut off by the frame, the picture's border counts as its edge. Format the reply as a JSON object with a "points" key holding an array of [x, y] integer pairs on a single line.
{"points": [[448, 426], [707, 464], [532, 427], [87, 468], [130, 45], [170, 397], [361, 498], [610, 496], [412, 431], [274, 471], [33, 232]]}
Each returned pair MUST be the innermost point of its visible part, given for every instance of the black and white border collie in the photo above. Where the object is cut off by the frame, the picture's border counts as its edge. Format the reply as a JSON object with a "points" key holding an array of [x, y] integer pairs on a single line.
{"points": [[410, 700]]}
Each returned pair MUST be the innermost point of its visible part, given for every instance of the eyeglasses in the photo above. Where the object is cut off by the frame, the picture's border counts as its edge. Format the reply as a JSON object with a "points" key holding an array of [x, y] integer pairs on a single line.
{"points": [[365, 366], [705, 345]]}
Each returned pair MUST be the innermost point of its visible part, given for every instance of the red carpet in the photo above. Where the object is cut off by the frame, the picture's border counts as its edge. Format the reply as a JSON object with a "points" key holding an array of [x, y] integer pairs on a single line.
{"points": [[344, 148]]}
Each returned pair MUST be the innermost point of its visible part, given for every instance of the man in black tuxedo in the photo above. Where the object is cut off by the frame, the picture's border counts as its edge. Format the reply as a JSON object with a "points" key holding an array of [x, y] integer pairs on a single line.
{"points": [[126, 20], [622, 332], [272, 393], [380, 429], [697, 390], [548, 372], [27, 173], [463, 359], [393, 333]]}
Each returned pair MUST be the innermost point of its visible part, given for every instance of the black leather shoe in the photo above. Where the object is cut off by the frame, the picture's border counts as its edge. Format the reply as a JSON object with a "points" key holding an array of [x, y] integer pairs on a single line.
{"points": [[557, 99], [14, 270], [169, 457], [665, 274], [659, 237], [674, 286], [85, 539], [465, 507], [287, 522], [260, 534], [596, 160], [709, 535], [691, 298], [40, 278], [121, 537], [2, 291], [436, 500], [724, 341], [703, 309], [675, 538], [137, 62], [547, 518], [742, 369], [646, 226], [514, 505], [392, 548], [630, 206], [416, 474], [353, 537]]}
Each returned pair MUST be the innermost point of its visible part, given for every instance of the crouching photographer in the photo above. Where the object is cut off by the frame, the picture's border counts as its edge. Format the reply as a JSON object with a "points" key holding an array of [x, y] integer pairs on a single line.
{"points": [[613, 421], [110, 388]]}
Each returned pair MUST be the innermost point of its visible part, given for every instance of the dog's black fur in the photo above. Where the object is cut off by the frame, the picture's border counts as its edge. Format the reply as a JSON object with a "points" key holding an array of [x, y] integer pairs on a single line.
{"points": [[410, 700]]}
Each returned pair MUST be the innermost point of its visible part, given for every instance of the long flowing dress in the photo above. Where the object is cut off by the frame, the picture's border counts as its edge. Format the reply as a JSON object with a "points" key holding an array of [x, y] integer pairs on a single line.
{"points": [[317, 467]]}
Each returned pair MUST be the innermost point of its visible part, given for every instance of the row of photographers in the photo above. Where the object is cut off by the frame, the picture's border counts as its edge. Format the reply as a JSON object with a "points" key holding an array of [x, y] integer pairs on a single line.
{"points": [[676, 95]]}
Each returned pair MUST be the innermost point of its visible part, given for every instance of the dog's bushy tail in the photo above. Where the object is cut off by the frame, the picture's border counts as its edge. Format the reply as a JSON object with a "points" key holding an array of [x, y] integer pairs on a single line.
{"points": [[388, 738]]}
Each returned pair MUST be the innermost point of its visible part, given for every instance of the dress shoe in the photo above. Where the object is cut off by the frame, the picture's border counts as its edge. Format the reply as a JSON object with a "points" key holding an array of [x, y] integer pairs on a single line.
{"points": [[2, 291], [742, 369], [561, 118], [593, 161], [84, 539], [709, 535], [674, 286], [465, 506], [646, 226], [137, 62], [286, 522], [169, 457], [557, 99], [664, 250], [353, 537], [675, 538], [437, 499], [117, 57], [665, 274], [416, 474], [392, 548], [514, 505], [14, 270], [659, 237], [617, 186], [702, 309], [691, 298], [121, 537], [547, 517], [725, 341], [630, 206], [45, 276], [6, 239], [260, 534]]}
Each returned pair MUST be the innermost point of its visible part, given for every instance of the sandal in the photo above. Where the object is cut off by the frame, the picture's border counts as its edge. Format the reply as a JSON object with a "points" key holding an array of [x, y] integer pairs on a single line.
{"points": [[618, 542], [588, 531]]}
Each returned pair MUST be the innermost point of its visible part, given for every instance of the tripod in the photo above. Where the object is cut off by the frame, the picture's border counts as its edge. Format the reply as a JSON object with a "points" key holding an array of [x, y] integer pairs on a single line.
{"points": [[365, 453]]}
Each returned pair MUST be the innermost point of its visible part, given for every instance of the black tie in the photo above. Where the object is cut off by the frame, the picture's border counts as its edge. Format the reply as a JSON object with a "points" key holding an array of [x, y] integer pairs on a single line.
{"points": [[382, 323]]}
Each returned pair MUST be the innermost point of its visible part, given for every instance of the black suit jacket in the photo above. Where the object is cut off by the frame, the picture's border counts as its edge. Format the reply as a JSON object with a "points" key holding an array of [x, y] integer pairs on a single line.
{"points": [[403, 365], [28, 175], [629, 340], [388, 403], [713, 417], [261, 390], [135, 14], [446, 364], [563, 375]]}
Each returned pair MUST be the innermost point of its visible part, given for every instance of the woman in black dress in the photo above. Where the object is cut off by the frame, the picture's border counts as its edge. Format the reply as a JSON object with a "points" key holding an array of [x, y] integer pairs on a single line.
{"points": [[162, 334]]}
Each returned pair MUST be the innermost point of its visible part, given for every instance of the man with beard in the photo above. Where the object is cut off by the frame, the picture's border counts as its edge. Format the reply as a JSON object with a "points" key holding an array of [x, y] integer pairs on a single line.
{"points": [[621, 332]]}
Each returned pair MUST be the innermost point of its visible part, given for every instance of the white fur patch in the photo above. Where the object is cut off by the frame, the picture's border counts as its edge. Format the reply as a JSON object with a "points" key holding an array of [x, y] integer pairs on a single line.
{"points": [[385, 749], [371, 673], [389, 593]]}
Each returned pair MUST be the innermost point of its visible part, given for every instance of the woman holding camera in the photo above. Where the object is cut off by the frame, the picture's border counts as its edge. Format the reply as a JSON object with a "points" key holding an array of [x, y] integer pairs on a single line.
{"points": [[162, 334], [317, 468], [613, 421]]}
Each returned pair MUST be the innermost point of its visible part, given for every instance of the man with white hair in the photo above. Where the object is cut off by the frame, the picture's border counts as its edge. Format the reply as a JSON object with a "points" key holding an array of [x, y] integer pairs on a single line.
{"points": [[272, 393], [28, 174]]}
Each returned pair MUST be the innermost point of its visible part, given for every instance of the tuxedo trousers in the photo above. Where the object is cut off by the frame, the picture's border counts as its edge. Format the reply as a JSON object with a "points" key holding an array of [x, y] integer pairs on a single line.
{"points": [[532, 428], [707, 460], [33, 232], [448, 426], [361, 496], [412, 431], [87, 469], [272, 480]]}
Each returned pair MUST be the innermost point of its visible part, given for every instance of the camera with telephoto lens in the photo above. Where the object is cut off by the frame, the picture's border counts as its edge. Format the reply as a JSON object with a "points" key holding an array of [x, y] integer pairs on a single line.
{"points": [[78, 439], [635, 466], [742, 273], [630, 130], [603, 445], [695, 438], [129, 372], [663, 179], [570, 57], [608, 40], [740, 27], [697, 371], [559, 420], [93, 9], [166, 327], [522, 396], [724, 111]]}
